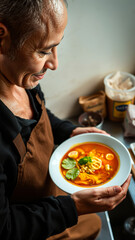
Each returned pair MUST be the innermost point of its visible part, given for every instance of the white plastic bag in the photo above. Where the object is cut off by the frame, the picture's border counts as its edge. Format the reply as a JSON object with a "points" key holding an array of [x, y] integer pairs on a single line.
{"points": [[129, 121]]}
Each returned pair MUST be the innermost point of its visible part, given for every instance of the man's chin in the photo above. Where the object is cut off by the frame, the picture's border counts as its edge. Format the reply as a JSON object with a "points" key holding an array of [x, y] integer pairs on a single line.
{"points": [[33, 86]]}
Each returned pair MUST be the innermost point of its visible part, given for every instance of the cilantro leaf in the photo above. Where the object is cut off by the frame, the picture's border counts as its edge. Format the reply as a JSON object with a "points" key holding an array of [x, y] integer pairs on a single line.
{"points": [[84, 160], [68, 163], [72, 173]]}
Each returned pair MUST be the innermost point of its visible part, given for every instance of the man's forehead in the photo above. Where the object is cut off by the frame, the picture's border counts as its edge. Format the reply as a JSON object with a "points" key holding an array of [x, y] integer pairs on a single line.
{"points": [[45, 39], [53, 12], [51, 31], [54, 23]]}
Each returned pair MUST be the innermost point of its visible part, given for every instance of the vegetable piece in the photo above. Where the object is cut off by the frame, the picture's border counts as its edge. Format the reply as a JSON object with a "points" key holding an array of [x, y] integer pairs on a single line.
{"points": [[84, 160], [72, 173], [108, 167], [80, 150], [68, 163], [109, 156], [73, 154]]}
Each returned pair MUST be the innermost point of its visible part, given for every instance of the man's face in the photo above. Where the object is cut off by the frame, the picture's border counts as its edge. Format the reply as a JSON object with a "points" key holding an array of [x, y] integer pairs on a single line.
{"points": [[38, 54]]}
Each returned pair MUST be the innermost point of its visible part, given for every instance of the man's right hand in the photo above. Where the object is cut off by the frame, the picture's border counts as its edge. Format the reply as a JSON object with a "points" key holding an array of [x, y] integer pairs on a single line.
{"points": [[100, 199]]}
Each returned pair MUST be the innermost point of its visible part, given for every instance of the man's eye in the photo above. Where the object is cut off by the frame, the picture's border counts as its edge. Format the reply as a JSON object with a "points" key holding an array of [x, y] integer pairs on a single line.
{"points": [[45, 53]]}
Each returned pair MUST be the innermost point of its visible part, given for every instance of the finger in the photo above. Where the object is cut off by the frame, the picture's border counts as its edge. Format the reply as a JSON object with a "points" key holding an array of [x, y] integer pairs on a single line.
{"points": [[112, 191], [116, 200], [113, 201], [127, 182], [94, 129], [110, 201], [108, 192]]}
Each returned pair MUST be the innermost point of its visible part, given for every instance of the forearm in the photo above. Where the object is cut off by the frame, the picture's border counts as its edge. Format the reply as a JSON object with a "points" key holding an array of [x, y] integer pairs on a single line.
{"points": [[39, 221]]}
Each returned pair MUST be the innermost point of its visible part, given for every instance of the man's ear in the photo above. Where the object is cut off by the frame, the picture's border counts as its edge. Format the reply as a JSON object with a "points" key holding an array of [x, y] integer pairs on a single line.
{"points": [[4, 38]]}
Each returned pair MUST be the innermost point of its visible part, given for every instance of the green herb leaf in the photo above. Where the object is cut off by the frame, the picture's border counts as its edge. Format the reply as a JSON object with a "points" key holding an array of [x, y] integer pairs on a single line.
{"points": [[72, 173], [84, 160], [68, 163]]}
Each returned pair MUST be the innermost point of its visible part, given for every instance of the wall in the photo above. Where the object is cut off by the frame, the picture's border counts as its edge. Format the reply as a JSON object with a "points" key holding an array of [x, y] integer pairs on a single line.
{"points": [[99, 39]]}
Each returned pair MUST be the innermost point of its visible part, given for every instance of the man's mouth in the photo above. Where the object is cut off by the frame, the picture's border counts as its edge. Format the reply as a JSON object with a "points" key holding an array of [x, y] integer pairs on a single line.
{"points": [[40, 75]]}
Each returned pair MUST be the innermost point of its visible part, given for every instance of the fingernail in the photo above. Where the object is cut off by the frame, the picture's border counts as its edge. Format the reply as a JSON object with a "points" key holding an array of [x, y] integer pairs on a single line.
{"points": [[117, 189]]}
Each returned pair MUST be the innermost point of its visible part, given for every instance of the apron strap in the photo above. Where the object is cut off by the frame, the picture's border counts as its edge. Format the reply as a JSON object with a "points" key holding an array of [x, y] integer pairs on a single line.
{"points": [[38, 99], [19, 143]]}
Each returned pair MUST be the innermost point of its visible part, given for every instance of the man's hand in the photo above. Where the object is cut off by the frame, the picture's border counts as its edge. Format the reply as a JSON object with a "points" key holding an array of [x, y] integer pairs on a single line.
{"points": [[80, 130], [100, 199]]}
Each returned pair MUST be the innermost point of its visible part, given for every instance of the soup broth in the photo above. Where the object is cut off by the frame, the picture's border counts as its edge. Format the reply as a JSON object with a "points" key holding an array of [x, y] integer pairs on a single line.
{"points": [[89, 164]]}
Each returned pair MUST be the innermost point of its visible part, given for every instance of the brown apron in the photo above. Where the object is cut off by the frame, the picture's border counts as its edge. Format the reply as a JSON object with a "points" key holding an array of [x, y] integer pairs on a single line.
{"points": [[33, 178]]}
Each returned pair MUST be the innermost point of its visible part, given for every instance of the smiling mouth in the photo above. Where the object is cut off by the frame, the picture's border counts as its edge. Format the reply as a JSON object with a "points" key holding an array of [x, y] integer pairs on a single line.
{"points": [[40, 75]]}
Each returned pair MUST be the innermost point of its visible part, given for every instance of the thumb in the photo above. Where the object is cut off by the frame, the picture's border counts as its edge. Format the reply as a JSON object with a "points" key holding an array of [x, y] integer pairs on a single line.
{"points": [[110, 191]]}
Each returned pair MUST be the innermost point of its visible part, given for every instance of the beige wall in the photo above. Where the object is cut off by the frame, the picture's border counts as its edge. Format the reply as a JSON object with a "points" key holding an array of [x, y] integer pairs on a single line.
{"points": [[99, 39]]}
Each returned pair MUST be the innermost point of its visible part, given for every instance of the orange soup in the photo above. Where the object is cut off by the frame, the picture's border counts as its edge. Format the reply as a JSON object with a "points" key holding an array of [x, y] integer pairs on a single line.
{"points": [[89, 164]]}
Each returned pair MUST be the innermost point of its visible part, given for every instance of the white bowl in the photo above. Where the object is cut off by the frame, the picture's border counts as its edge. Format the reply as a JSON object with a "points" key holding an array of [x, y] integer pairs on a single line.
{"points": [[118, 179]]}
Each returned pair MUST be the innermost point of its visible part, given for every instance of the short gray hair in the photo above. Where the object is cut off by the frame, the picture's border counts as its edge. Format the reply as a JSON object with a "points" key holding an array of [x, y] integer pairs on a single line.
{"points": [[22, 18]]}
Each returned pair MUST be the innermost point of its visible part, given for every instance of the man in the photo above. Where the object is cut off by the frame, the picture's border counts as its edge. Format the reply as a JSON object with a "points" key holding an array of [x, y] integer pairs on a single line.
{"points": [[29, 34]]}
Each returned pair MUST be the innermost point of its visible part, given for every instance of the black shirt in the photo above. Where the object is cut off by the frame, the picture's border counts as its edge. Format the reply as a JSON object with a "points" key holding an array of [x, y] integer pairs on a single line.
{"points": [[36, 220]]}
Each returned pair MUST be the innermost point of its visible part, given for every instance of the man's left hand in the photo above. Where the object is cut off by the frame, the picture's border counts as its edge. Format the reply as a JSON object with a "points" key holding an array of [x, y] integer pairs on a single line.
{"points": [[80, 130]]}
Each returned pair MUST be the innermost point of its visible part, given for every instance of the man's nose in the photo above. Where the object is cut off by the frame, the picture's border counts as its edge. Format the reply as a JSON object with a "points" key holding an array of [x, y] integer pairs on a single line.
{"points": [[52, 61]]}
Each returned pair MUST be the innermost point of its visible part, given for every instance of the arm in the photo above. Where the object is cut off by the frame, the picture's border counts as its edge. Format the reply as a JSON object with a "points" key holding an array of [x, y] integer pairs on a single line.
{"points": [[35, 221], [62, 129]]}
